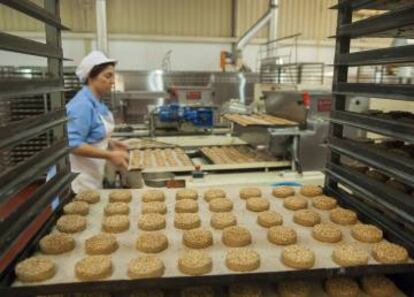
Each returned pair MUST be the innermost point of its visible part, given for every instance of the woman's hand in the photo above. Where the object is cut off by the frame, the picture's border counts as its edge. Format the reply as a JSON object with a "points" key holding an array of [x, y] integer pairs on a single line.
{"points": [[119, 158]]}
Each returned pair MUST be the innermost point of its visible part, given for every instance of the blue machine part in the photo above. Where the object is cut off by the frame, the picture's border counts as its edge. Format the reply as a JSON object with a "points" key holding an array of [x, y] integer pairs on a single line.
{"points": [[198, 116], [169, 113]]}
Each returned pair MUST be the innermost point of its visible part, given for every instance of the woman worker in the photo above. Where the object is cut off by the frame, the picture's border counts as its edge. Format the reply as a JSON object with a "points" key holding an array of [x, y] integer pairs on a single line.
{"points": [[91, 123]]}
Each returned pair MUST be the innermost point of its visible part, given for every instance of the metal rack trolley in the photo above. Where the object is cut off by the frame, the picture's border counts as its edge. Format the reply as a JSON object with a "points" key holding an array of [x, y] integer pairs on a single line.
{"points": [[28, 208], [377, 202], [394, 205]]}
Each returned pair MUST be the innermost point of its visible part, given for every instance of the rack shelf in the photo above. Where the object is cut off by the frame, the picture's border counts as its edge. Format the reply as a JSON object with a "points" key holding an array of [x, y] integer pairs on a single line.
{"points": [[396, 23], [393, 55], [387, 91], [31, 9], [26, 208], [384, 126], [375, 4], [399, 167]]}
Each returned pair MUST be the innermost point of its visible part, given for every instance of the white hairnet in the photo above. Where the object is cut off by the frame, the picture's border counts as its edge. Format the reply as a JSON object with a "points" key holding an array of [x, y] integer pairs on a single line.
{"points": [[93, 59]]}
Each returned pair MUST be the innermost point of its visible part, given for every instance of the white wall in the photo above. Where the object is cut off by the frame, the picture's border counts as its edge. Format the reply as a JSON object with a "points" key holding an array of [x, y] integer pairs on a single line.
{"points": [[147, 55]]}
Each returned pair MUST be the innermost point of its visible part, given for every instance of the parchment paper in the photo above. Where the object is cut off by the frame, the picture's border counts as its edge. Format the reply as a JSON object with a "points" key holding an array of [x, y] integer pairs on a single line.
{"points": [[269, 253]]}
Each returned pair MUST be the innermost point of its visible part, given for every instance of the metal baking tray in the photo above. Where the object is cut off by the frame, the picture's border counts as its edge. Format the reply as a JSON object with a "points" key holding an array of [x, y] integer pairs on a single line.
{"points": [[271, 267]]}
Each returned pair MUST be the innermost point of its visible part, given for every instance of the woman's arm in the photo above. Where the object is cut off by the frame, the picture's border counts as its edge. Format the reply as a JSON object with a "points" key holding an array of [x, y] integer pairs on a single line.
{"points": [[118, 158]]}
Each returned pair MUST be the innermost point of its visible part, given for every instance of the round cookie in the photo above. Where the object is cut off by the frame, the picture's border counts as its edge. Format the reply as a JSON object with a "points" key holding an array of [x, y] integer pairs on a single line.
{"points": [[306, 217], [389, 253], [76, 208], [35, 269], [293, 288], [376, 175], [57, 243], [269, 219], [195, 262], [247, 193], [153, 195], [187, 221], [120, 196], [152, 242], [281, 235], [350, 255], [151, 222], [115, 224], [283, 192], [93, 268], [366, 233], [220, 205], [116, 208], [378, 286], [329, 233], [342, 287], [154, 207], [186, 194], [342, 216], [101, 244], [71, 223], [324, 202], [236, 236], [221, 220], [245, 290], [297, 256], [88, 196], [202, 291], [242, 259], [198, 238], [147, 266], [186, 206], [295, 203], [397, 185], [257, 204], [311, 191], [214, 194]]}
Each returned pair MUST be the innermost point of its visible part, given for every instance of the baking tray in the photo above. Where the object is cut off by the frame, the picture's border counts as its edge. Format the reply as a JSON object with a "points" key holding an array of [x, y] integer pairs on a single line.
{"points": [[226, 154], [271, 267], [264, 120], [153, 163], [145, 143]]}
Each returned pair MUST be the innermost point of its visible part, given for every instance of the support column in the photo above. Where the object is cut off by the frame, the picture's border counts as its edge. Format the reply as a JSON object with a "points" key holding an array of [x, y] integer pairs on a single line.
{"points": [[101, 29], [274, 19]]}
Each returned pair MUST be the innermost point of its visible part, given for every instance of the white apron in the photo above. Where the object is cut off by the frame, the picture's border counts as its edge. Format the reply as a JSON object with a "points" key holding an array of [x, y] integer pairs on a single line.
{"points": [[91, 170]]}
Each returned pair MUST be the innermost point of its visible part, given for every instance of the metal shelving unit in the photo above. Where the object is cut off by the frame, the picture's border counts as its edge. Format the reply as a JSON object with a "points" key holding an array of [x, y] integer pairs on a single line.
{"points": [[377, 202], [35, 105]]}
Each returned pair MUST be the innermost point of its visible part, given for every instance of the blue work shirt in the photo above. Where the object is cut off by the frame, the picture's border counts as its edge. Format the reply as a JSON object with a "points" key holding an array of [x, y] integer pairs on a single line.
{"points": [[85, 124]]}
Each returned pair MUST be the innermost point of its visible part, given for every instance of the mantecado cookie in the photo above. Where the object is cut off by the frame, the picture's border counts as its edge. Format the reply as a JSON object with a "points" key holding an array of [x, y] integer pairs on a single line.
{"points": [[57, 243], [236, 236]]}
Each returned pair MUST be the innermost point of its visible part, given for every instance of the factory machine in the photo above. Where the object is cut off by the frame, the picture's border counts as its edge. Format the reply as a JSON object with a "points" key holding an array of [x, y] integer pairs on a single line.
{"points": [[304, 138], [176, 118], [193, 112]]}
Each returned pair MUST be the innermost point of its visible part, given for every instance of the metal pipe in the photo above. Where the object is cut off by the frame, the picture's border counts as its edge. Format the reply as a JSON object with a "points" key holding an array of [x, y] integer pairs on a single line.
{"points": [[101, 31], [244, 40]]}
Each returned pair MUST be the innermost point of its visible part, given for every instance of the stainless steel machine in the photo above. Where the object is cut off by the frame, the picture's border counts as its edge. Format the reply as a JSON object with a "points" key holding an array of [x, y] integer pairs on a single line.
{"points": [[303, 142], [311, 111]]}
